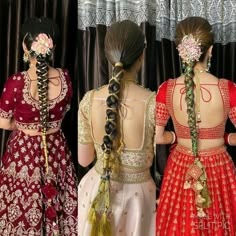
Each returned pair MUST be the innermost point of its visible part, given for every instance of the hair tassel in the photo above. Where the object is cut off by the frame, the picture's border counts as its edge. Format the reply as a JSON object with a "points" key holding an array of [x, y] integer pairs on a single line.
{"points": [[100, 225], [93, 219], [104, 226]]}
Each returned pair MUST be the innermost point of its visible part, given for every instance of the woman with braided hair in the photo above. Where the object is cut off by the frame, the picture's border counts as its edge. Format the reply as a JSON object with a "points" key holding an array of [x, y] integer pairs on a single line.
{"points": [[198, 193], [38, 186], [116, 124]]}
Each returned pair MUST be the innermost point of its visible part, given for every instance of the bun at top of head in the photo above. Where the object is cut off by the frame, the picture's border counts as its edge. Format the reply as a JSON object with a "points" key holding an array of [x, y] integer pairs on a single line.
{"points": [[35, 26]]}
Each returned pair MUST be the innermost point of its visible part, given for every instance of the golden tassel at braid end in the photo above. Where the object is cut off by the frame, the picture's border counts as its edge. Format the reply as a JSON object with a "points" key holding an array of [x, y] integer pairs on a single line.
{"points": [[99, 226], [93, 220], [104, 226], [100, 211], [92, 216]]}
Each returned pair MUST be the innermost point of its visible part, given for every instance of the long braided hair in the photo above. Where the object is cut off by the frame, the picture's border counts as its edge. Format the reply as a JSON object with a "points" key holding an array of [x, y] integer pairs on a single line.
{"points": [[200, 29], [124, 43], [31, 30]]}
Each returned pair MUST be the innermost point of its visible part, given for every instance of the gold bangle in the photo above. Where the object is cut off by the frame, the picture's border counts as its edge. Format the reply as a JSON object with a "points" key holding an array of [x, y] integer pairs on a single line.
{"points": [[173, 137], [229, 139]]}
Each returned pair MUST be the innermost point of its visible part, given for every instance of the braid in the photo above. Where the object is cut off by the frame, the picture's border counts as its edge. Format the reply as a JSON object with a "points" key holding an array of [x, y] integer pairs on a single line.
{"points": [[112, 114], [193, 39], [42, 83], [41, 48], [111, 140], [189, 86], [42, 72]]}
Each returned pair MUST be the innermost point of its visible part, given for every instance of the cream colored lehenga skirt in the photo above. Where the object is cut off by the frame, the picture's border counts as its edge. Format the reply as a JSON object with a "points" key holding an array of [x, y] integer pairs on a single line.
{"points": [[133, 206]]}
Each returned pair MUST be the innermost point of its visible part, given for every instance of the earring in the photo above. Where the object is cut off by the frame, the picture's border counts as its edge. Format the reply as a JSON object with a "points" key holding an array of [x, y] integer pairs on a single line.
{"points": [[208, 64], [26, 57]]}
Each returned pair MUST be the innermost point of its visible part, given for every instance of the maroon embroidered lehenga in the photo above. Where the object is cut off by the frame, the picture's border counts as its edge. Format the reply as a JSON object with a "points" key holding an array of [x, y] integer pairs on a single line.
{"points": [[176, 213], [23, 206]]}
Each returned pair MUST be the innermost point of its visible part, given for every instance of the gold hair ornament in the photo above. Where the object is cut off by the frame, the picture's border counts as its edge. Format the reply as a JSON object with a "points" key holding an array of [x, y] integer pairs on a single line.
{"points": [[119, 64]]}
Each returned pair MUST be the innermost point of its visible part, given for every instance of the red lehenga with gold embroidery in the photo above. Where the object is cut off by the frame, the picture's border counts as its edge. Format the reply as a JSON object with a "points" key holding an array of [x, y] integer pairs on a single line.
{"points": [[31, 202], [176, 213]]}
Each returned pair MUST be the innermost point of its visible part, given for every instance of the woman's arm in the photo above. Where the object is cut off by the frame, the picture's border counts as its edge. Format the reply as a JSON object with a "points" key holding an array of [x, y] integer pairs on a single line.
{"points": [[86, 150], [8, 124], [86, 154], [163, 136], [230, 139]]}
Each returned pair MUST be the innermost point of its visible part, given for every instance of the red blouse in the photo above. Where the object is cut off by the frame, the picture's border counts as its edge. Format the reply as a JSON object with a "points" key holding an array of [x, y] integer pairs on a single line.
{"points": [[164, 109], [16, 102]]}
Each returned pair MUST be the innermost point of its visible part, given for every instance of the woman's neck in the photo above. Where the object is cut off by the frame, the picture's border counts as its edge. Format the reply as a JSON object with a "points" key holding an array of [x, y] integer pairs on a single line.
{"points": [[200, 68], [130, 76]]}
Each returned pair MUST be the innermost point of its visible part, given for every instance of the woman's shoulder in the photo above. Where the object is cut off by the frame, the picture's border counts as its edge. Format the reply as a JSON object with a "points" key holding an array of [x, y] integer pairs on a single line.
{"points": [[16, 78], [162, 90], [57, 72], [226, 83], [87, 96], [169, 82], [229, 86]]}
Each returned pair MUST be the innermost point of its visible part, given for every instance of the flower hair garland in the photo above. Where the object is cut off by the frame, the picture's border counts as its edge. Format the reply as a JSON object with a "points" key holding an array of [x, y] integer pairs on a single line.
{"points": [[189, 49], [42, 45]]}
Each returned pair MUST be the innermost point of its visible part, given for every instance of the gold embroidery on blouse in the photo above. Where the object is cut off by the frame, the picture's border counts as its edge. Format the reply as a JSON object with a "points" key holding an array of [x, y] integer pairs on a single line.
{"points": [[84, 130], [6, 115]]}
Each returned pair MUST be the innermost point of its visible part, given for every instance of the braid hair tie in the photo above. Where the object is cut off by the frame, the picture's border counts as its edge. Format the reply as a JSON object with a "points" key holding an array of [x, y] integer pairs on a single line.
{"points": [[115, 78], [119, 64]]}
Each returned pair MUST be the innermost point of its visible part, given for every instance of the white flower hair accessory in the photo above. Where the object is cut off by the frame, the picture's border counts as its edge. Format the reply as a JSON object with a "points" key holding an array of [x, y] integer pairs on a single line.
{"points": [[42, 45], [189, 49]]}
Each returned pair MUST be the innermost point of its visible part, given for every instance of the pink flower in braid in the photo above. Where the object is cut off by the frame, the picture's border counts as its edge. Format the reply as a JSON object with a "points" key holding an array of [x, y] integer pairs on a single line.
{"points": [[42, 45]]}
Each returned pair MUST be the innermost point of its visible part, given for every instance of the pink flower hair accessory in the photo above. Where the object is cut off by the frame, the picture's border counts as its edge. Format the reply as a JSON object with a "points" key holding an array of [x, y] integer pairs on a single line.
{"points": [[42, 45], [189, 49]]}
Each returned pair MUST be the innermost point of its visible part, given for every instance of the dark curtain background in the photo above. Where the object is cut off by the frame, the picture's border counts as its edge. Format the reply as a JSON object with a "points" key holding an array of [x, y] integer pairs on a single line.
{"points": [[161, 62], [64, 12]]}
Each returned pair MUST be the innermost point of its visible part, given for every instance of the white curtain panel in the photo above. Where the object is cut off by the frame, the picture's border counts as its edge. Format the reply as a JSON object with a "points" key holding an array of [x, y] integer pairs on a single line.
{"points": [[163, 14]]}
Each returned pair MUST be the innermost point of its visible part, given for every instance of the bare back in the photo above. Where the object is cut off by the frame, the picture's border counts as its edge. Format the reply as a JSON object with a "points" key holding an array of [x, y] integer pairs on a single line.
{"points": [[211, 102], [132, 113], [54, 85]]}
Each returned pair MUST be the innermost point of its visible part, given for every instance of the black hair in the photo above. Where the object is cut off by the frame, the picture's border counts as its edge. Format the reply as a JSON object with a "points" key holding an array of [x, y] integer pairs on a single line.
{"points": [[31, 28]]}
